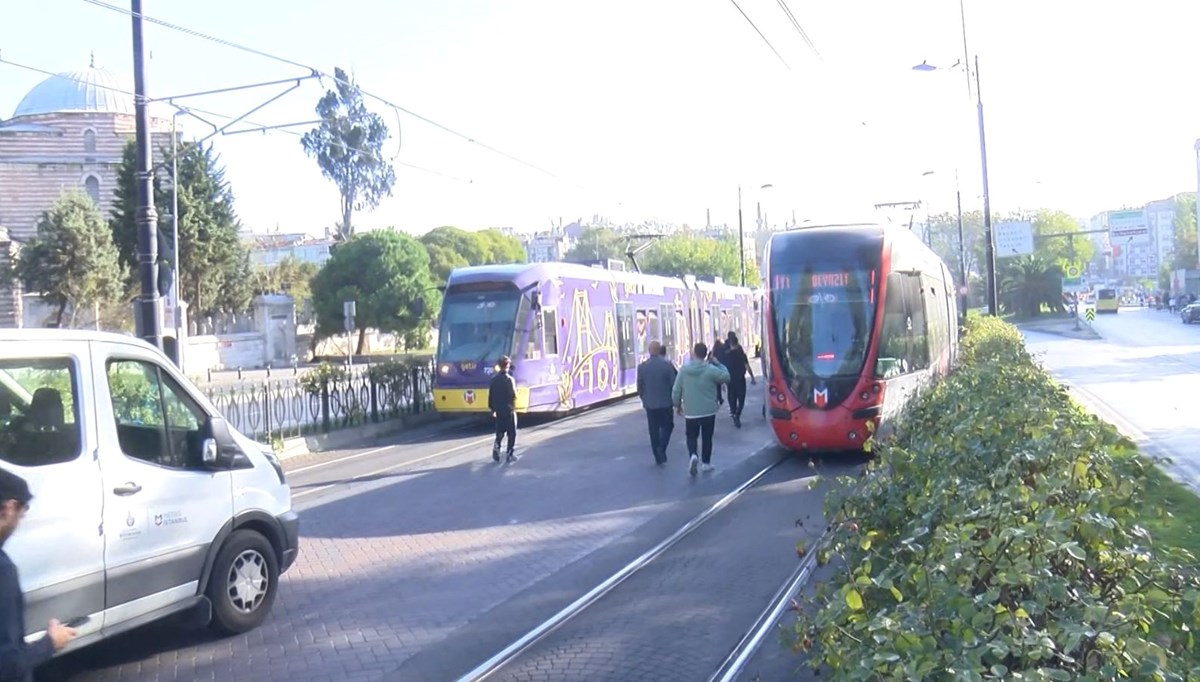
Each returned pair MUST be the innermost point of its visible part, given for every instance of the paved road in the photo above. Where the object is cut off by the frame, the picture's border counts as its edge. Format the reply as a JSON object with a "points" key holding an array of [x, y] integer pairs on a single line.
{"points": [[421, 560], [1143, 374]]}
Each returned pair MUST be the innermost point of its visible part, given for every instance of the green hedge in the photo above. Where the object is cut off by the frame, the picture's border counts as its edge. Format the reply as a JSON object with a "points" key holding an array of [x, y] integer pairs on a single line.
{"points": [[997, 536]]}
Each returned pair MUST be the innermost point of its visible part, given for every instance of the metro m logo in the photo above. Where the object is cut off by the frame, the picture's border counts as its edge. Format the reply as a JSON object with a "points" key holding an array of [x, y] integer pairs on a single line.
{"points": [[820, 396], [469, 397]]}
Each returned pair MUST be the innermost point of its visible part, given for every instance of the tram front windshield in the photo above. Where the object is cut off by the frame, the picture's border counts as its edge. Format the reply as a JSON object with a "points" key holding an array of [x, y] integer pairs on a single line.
{"points": [[477, 327], [822, 314]]}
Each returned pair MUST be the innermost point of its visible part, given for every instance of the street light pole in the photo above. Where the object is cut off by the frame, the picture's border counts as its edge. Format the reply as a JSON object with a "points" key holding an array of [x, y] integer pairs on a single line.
{"points": [[993, 304], [741, 237], [149, 311], [175, 240]]}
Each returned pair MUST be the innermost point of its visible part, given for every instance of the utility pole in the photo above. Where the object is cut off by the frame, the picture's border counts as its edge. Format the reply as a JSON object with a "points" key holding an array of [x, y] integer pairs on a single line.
{"points": [[962, 255], [149, 311], [741, 238], [990, 254]]}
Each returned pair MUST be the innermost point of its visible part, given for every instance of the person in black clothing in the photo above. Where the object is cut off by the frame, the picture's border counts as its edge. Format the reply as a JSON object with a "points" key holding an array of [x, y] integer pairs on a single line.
{"points": [[718, 351], [738, 364], [18, 659], [502, 401]]}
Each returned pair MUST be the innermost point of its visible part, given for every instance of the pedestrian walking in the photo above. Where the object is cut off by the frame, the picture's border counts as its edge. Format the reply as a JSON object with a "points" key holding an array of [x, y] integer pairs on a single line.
{"points": [[502, 401], [738, 364], [718, 352], [695, 397], [18, 659], [655, 381]]}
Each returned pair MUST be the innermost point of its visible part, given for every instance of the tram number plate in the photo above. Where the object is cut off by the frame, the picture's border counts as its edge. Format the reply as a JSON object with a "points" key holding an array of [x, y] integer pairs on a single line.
{"points": [[466, 366]]}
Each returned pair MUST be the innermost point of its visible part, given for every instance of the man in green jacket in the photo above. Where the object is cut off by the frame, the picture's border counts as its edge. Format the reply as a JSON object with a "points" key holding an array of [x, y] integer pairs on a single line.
{"points": [[695, 397]]}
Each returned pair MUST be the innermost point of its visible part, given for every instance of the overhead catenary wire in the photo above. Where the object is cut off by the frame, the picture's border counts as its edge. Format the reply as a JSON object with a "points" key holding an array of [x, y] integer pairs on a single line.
{"points": [[383, 100], [799, 29], [752, 25], [189, 110]]}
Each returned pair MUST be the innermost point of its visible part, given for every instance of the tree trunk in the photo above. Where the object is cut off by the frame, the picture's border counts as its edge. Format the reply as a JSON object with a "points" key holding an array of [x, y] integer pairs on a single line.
{"points": [[362, 342], [347, 230]]}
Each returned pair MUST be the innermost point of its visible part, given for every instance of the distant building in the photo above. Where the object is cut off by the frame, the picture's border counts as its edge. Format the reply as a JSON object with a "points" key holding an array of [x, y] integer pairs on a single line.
{"points": [[267, 250], [68, 132], [1160, 218], [546, 247]]}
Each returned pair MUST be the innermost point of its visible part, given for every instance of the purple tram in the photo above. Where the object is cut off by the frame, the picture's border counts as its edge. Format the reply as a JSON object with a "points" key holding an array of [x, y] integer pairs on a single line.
{"points": [[575, 333]]}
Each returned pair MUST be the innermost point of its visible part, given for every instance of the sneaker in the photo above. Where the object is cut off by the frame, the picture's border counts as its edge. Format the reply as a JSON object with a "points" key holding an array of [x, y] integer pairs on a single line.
{"points": [[707, 467], [512, 457], [693, 462], [737, 420], [495, 454]]}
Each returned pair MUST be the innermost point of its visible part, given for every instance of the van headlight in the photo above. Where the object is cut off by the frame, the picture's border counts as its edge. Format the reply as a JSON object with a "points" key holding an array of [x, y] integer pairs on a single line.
{"points": [[275, 463]]}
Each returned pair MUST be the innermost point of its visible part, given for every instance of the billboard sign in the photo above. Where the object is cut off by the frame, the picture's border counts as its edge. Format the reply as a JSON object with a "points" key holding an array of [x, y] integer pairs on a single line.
{"points": [[1128, 228], [1014, 238]]}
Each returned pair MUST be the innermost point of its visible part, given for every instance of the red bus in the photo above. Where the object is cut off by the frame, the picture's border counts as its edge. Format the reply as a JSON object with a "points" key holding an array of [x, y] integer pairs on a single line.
{"points": [[857, 317]]}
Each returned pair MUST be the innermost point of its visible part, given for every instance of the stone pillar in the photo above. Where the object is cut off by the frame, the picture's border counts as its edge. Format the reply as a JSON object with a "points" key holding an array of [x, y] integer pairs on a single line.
{"points": [[275, 319]]}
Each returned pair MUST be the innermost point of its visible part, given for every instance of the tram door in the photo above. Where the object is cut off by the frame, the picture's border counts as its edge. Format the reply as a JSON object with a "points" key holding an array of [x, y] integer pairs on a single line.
{"points": [[626, 343]]}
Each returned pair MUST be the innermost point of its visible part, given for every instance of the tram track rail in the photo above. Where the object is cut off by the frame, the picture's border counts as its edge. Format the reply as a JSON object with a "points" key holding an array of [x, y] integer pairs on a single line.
{"points": [[503, 658]]}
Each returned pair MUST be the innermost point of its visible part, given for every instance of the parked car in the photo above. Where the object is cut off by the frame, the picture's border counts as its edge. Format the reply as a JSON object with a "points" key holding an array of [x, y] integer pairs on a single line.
{"points": [[146, 502], [1190, 313]]}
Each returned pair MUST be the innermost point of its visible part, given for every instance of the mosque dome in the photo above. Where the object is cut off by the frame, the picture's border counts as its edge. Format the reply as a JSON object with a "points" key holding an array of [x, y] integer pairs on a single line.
{"points": [[92, 89]]}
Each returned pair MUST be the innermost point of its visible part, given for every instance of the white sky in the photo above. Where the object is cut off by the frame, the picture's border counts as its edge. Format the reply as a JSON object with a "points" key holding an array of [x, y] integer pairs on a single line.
{"points": [[661, 108]]}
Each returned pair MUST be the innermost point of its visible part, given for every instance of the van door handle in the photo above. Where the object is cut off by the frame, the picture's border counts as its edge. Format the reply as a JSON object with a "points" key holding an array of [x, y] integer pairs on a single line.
{"points": [[129, 488]]}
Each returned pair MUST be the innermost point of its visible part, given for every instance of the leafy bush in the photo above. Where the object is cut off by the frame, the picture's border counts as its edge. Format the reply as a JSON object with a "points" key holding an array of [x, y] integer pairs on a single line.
{"points": [[322, 376], [996, 536]]}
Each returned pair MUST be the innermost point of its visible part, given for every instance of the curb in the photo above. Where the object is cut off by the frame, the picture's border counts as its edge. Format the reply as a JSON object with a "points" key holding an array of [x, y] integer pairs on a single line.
{"points": [[356, 435]]}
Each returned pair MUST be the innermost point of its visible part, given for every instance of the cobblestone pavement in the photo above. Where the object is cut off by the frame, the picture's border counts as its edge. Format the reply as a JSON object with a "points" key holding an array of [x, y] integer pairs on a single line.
{"points": [[429, 548], [679, 617]]}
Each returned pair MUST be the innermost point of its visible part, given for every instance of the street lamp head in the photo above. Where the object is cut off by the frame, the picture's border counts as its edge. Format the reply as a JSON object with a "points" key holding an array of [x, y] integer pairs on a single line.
{"points": [[927, 173], [924, 66], [767, 186]]}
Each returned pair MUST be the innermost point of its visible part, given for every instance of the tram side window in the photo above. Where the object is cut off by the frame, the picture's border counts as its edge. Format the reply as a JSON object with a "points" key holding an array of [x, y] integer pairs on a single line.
{"points": [[918, 327], [892, 357], [936, 313], [653, 333], [549, 332], [667, 313]]}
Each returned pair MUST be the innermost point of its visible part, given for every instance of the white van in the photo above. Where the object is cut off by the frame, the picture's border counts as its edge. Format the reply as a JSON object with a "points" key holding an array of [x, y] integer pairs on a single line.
{"points": [[145, 501]]}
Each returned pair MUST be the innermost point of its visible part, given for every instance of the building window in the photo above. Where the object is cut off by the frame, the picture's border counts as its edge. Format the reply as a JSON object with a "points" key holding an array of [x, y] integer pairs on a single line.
{"points": [[92, 186], [89, 141]]}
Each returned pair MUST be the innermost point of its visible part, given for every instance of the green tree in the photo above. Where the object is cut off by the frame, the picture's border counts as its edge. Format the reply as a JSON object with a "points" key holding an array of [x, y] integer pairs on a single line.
{"points": [[452, 247], [348, 146], [1186, 256], [386, 274], [500, 248], [705, 257], [72, 261], [1029, 282], [289, 276], [1059, 249], [943, 239], [215, 271], [598, 243]]}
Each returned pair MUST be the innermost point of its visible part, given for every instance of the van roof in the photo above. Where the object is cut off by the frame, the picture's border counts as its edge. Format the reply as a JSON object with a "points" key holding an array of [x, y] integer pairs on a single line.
{"points": [[37, 334]]}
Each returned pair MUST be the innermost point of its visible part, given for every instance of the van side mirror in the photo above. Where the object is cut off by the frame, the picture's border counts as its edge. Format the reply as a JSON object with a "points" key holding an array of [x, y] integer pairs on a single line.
{"points": [[218, 449]]}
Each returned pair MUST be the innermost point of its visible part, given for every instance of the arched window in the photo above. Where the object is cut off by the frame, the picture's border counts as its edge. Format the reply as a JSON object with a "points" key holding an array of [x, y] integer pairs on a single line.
{"points": [[89, 141], [92, 186]]}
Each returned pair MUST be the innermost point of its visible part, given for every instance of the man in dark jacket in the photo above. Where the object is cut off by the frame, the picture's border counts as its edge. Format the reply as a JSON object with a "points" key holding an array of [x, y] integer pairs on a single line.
{"points": [[18, 659], [502, 401], [655, 379], [738, 364]]}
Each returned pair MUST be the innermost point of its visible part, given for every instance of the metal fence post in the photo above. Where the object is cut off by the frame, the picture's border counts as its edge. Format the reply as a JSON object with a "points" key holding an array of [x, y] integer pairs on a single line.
{"points": [[267, 410], [325, 405], [416, 389], [374, 398]]}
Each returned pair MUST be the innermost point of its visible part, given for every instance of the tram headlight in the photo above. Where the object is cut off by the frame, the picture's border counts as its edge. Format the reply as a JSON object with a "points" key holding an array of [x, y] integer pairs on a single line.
{"points": [[444, 369]]}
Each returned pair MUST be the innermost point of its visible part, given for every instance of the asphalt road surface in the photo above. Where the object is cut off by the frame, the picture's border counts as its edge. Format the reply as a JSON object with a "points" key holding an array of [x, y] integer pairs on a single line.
{"points": [[421, 560]]}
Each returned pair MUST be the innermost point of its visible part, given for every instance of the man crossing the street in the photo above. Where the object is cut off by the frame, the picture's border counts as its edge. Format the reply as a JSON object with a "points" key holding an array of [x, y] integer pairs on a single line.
{"points": [[502, 401], [738, 364]]}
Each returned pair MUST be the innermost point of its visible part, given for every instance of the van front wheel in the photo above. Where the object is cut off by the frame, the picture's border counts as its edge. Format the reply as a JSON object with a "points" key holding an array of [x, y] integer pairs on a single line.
{"points": [[243, 583]]}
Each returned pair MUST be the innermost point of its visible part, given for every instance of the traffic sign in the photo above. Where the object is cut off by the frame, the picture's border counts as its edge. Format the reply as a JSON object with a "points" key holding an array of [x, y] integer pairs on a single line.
{"points": [[1090, 314]]}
